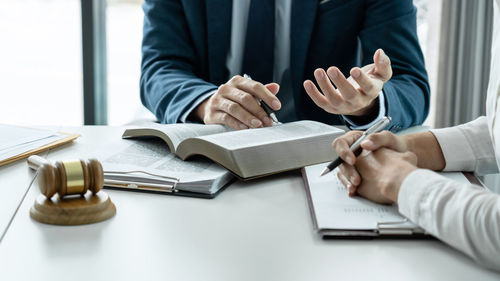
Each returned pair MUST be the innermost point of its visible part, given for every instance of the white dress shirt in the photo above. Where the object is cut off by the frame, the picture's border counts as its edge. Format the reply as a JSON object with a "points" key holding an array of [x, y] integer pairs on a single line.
{"points": [[464, 216], [234, 59]]}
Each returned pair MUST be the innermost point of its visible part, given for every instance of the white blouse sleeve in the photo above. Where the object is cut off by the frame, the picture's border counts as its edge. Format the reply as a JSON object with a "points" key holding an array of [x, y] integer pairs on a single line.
{"points": [[468, 147], [462, 215]]}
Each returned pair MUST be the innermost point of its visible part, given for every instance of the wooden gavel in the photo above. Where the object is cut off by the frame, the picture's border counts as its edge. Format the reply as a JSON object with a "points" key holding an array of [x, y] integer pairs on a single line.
{"points": [[67, 177]]}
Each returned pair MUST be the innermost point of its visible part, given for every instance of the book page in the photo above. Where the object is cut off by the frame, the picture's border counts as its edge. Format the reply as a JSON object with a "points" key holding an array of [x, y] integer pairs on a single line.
{"points": [[175, 132], [154, 157], [262, 136]]}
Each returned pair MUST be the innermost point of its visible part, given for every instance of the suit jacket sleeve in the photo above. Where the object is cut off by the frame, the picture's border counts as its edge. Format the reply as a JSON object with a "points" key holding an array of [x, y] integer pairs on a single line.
{"points": [[391, 25], [170, 81]]}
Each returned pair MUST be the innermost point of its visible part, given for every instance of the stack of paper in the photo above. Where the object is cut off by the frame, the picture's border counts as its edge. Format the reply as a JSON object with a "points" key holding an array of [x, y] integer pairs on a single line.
{"points": [[20, 142]]}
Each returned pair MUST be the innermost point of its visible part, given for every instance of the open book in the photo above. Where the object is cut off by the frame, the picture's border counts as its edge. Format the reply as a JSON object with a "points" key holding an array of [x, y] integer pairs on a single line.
{"points": [[248, 153], [148, 165]]}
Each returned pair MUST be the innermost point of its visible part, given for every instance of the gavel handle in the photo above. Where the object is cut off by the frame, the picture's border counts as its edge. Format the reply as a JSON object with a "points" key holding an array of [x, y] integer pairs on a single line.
{"points": [[35, 162]]}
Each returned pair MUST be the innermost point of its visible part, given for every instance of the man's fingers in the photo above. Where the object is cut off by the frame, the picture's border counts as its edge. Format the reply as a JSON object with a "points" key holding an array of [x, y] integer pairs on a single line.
{"points": [[369, 86], [383, 67], [341, 146], [221, 117], [326, 86], [273, 88], [235, 104], [238, 112], [247, 102], [317, 97], [346, 89], [258, 90]]}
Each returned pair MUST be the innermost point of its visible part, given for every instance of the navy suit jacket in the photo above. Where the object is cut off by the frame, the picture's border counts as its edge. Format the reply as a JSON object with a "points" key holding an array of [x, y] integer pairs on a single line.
{"points": [[185, 45]]}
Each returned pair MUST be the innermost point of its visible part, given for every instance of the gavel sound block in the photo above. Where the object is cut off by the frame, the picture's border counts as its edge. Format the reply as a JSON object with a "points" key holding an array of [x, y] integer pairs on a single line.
{"points": [[71, 192]]}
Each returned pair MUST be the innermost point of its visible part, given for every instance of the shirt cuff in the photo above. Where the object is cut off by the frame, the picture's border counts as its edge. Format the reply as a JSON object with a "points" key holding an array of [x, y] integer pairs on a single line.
{"points": [[202, 98], [413, 191], [458, 155], [381, 113]]}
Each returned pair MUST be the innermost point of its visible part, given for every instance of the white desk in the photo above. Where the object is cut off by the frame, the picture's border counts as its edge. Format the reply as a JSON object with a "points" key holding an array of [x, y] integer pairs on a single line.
{"points": [[259, 230]]}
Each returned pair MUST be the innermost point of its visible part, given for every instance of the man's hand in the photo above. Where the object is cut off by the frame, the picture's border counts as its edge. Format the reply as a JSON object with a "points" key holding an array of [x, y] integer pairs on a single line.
{"points": [[235, 104], [348, 174], [353, 96]]}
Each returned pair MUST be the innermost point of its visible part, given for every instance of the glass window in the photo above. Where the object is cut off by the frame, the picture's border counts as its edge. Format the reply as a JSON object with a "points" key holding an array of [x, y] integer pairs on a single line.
{"points": [[124, 32], [429, 14], [40, 62]]}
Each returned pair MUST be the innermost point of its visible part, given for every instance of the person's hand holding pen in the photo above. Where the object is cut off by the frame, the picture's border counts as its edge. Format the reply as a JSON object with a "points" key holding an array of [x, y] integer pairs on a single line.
{"points": [[377, 173], [236, 104]]}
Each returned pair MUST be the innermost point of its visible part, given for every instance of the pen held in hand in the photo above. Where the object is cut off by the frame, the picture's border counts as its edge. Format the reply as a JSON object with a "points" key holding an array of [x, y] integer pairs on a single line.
{"points": [[356, 146], [269, 111], [264, 106]]}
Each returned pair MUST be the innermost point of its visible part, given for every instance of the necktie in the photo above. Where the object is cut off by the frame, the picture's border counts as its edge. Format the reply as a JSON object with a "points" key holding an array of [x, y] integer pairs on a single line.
{"points": [[258, 58]]}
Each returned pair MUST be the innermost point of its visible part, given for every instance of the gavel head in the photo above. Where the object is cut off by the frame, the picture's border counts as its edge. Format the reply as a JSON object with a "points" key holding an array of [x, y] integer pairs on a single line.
{"points": [[70, 177]]}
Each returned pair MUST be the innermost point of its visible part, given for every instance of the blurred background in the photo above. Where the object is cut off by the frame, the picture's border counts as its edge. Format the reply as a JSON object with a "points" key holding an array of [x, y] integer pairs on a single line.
{"points": [[41, 76], [41, 70]]}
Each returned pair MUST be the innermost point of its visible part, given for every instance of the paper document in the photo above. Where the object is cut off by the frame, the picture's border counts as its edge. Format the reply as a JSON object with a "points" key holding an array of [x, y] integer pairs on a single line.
{"points": [[19, 142], [334, 211]]}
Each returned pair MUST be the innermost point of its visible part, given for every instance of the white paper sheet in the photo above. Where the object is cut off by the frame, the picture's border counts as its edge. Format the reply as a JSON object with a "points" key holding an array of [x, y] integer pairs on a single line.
{"points": [[334, 209], [17, 140]]}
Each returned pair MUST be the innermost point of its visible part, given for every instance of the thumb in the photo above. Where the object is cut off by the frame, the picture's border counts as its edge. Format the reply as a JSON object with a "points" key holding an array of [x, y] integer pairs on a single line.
{"points": [[273, 87], [383, 67]]}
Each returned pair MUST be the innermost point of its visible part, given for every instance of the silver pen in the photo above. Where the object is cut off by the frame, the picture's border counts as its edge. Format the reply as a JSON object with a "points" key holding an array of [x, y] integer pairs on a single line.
{"points": [[356, 146], [264, 106]]}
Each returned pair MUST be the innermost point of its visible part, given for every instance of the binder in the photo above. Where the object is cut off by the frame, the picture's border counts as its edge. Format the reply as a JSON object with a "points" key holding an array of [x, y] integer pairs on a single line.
{"points": [[335, 215], [117, 180], [148, 166], [174, 191]]}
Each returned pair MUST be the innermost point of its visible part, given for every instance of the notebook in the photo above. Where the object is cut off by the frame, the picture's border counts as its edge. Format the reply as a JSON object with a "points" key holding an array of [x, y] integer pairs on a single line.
{"points": [[147, 165], [336, 215]]}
